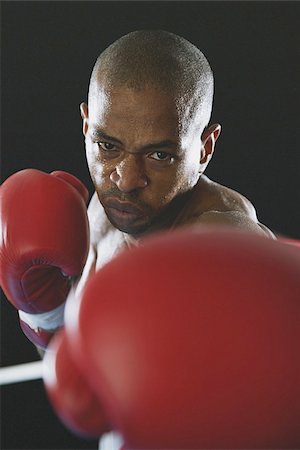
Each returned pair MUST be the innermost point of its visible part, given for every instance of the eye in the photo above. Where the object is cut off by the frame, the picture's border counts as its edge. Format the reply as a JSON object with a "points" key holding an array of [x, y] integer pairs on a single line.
{"points": [[107, 146], [161, 156]]}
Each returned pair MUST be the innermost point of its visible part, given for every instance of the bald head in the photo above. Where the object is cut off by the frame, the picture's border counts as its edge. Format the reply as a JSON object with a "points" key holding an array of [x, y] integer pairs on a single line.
{"points": [[161, 60]]}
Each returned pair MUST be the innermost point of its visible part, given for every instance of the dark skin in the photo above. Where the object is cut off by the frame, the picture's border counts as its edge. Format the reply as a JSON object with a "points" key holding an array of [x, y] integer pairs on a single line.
{"points": [[148, 171], [147, 165]]}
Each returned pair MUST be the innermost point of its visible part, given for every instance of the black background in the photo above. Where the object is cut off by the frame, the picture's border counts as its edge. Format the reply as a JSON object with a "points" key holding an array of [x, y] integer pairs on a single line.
{"points": [[47, 53]]}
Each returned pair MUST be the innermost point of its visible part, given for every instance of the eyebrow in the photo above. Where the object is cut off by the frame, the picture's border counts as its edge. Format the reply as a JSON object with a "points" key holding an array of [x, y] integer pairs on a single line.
{"points": [[96, 133]]}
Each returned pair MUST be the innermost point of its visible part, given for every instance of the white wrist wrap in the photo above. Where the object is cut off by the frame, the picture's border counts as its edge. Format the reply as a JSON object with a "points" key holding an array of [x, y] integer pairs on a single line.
{"points": [[50, 320]]}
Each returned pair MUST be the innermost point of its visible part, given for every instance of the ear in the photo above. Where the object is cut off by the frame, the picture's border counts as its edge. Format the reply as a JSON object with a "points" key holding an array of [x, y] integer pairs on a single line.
{"points": [[208, 138], [84, 112]]}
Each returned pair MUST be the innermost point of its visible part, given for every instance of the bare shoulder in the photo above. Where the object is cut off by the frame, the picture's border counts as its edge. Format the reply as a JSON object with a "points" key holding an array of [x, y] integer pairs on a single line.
{"points": [[105, 240], [215, 204], [213, 196], [99, 224]]}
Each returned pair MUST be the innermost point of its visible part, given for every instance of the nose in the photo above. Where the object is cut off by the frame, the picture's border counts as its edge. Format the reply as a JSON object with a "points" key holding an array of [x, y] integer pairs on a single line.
{"points": [[129, 175]]}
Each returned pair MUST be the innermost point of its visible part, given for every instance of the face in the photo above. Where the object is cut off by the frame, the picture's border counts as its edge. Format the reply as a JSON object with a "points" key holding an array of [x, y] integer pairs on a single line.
{"points": [[140, 159]]}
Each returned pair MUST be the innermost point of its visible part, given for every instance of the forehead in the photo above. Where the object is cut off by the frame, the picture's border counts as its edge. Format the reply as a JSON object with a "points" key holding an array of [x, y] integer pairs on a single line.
{"points": [[120, 107]]}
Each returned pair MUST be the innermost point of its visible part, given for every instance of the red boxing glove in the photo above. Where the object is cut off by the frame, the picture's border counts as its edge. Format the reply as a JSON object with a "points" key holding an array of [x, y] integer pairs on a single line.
{"points": [[192, 341], [73, 400], [44, 242]]}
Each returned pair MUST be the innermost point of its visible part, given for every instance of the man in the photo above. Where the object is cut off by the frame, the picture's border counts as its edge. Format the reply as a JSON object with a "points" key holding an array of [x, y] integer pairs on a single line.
{"points": [[148, 142]]}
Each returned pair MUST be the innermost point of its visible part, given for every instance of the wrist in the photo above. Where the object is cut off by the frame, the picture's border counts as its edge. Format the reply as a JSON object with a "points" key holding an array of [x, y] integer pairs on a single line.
{"points": [[49, 321], [40, 328]]}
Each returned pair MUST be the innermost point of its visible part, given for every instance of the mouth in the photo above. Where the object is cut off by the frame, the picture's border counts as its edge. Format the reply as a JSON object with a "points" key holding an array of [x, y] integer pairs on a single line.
{"points": [[124, 211], [124, 207]]}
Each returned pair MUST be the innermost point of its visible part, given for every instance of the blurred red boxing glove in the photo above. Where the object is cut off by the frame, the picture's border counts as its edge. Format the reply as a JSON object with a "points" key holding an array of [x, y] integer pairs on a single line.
{"points": [[44, 242], [192, 341], [70, 395]]}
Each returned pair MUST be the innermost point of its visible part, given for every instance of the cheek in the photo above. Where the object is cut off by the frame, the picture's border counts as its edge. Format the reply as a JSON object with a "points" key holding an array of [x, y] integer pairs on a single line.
{"points": [[190, 163], [191, 174], [178, 181], [98, 170], [188, 169], [186, 175]]}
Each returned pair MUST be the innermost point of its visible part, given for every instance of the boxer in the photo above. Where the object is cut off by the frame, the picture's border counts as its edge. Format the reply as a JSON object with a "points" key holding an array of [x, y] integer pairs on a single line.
{"points": [[148, 141]]}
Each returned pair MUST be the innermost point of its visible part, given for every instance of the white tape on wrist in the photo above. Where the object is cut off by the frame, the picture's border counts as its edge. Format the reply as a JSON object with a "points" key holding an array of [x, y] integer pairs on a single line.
{"points": [[48, 321], [110, 441]]}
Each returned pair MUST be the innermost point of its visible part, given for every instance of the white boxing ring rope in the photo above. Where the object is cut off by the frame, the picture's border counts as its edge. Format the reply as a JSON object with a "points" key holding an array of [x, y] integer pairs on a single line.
{"points": [[21, 372], [34, 371]]}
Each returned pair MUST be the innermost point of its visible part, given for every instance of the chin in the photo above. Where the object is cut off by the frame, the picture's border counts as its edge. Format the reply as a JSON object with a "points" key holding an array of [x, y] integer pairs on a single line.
{"points": [[133, 229]]}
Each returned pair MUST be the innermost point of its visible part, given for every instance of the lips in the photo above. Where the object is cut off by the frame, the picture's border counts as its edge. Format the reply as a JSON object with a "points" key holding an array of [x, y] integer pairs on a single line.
{"points": [[125, 215], [123, 207]]}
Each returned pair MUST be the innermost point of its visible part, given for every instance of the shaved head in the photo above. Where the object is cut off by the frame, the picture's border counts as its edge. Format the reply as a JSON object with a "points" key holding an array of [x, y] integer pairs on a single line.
{"points": [[163, 61]]}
